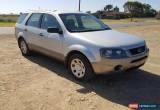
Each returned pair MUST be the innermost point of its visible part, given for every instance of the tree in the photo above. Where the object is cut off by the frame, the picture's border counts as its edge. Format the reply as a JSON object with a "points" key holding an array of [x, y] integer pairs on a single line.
{"points": [[146, 7], [99, 12], [137, 9], [148, 11], [116, 9], [108, 7], [134, 8], [89, 12]]}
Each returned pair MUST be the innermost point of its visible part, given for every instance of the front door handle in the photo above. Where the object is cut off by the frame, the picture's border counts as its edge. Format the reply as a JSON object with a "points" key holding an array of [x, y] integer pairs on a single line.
{"points": [[41, 34]]}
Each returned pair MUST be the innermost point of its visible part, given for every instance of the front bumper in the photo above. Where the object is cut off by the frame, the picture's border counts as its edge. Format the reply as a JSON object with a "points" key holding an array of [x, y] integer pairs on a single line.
{"points": [[114, 65]]}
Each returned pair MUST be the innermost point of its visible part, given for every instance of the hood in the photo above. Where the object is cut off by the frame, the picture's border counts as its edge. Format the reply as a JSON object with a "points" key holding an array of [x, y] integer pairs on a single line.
{"points": [[110, 38]]}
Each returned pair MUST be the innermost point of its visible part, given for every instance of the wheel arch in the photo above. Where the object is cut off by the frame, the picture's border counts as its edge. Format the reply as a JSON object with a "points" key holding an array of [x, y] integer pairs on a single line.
{"points": [[79, 49], [20, 36], [19, 39], [75, 52], [76, 48]]}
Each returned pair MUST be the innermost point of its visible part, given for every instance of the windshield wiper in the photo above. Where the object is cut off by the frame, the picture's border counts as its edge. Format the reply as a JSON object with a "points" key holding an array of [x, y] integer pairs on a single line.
{"points": [[90, 30], [94, 30]]}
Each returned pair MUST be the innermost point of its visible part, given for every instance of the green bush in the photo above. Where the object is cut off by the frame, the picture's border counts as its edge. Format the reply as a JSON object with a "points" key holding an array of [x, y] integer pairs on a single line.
{"points": [[1, 20], [8, 18]]}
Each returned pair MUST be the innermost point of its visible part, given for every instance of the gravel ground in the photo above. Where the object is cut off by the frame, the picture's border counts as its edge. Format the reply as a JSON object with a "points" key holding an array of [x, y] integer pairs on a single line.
{"points": [[42, 83], [6, 30]]}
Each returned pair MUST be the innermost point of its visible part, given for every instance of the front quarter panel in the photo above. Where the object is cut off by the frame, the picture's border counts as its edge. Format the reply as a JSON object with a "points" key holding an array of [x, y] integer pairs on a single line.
{"points": [[76, 43], [91, 57]]}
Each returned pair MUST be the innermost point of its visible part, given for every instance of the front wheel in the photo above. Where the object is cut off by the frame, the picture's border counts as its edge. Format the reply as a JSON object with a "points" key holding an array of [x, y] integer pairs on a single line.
{"points": [[24, 47], [80, 67]]}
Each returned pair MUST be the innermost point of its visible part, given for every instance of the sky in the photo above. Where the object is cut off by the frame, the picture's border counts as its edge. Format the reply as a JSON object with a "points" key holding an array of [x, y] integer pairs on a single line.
{"points": [[17, 6]]}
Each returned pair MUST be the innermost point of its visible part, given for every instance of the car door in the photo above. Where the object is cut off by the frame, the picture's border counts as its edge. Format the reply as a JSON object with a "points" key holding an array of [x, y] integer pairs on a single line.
{"points": [[51, 42], [33, 30]]}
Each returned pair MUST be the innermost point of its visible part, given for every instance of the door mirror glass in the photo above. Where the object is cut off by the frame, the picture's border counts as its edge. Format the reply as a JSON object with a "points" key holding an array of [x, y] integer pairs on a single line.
{"points": [[54, 30]]}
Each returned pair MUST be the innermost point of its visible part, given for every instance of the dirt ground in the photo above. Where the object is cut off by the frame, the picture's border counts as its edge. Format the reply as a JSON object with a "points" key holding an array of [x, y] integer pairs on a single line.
{"points": [[42, 83]]}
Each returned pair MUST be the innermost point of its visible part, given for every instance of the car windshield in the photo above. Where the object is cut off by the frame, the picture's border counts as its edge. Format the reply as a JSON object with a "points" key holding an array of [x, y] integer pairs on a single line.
{"points": [[82, 23]]}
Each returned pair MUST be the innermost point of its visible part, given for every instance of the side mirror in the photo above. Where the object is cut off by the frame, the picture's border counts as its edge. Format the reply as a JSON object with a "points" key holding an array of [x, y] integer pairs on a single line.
{"points": [[54, 30]]}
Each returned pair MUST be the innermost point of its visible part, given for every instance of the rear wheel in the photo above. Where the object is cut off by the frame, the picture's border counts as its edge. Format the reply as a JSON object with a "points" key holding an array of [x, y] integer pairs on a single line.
{"points": [[24, 47], [80, 67]]}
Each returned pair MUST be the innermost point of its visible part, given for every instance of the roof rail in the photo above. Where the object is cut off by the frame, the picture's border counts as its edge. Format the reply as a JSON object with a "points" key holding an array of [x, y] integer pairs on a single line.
{"points": [[38, 11]]}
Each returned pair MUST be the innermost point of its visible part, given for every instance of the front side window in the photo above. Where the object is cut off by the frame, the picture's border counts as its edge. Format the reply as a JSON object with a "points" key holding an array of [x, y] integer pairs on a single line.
{"points": [[82, 23], [34, 20], [49, 21]]}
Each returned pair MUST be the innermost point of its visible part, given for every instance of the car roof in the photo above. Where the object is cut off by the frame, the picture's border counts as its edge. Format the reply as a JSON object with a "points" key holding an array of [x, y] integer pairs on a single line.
{"points": [[54, 12]]}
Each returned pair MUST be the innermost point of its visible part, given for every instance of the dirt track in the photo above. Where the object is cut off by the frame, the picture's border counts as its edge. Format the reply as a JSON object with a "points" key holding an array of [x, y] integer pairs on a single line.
{"points": [[42, 83]]}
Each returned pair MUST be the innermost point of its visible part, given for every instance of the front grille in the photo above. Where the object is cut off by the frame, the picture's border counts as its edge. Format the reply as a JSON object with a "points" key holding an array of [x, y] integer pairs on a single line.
{"points": [[137, 50]]}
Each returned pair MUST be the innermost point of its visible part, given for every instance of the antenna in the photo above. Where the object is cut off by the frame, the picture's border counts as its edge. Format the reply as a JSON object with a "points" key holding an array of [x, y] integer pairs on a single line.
{"points": [[79, 5]]}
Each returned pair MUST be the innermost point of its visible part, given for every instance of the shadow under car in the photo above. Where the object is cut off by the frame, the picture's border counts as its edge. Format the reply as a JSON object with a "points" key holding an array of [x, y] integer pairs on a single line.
{"points": [[137, 86]]}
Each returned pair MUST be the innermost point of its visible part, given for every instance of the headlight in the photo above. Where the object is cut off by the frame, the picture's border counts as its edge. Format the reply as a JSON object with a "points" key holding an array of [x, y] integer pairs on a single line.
{"points": [[113, 53]]}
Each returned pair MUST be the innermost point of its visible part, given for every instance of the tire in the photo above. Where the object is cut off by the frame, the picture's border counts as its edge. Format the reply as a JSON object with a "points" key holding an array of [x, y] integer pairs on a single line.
{"points": [[134, 69], [80, 67], [24, 47]]}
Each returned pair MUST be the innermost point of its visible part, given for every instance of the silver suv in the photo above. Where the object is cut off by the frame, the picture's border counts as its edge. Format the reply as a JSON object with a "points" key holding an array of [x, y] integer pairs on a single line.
{"points": [[84, 43]]}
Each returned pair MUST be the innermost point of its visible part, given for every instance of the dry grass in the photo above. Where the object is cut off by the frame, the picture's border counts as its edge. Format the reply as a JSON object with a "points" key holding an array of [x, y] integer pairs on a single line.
{"points": [[42, 83], [152, 36], [8, 20], [7, 24], [147, 20]]}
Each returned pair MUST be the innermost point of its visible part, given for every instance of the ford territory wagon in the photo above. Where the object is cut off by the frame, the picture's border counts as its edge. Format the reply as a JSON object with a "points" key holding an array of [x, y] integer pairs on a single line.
{"points": [[83, 42]]}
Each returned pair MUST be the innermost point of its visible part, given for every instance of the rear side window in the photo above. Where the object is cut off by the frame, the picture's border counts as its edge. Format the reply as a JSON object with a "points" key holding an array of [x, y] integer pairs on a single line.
{"points": [[21, 18], [34, 20]]}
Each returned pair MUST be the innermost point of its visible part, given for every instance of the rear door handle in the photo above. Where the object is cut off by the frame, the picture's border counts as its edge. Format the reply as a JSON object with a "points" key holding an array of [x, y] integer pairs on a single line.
{"points": [[41, 34]]}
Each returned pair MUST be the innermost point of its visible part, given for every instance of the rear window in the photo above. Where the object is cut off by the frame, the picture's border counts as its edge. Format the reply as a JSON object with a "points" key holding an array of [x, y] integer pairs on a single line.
{"points": [[21, 18]]}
